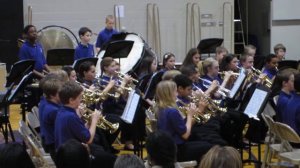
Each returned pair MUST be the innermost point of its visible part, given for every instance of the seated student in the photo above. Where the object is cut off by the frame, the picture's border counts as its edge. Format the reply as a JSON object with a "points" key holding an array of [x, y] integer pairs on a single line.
{"points": [[48, 111], [73, 154], [14, 155], [210, 68], [170, 75], [220, 53], [209, 131], [171, 120], [168, 61], [271, 64], [87, 73], [112, 106], [291, 113], [71, 72], [249, 50], [129, 161], [280, 50], [68, 125], [193, 57], [285, 78], [221, 157], [161, 150], [148, 66], [84, 48], [229, 63], [31, 49]]}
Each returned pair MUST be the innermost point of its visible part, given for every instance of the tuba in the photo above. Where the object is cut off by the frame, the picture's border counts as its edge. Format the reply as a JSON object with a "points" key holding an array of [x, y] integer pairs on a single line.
{"points": [[102, 122]]}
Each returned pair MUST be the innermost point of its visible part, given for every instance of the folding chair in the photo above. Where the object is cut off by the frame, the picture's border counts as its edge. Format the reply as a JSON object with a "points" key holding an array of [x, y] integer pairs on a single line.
{"points": [[35, 110], [291, 155], [36, 151], [188, 164], [34, 124]]}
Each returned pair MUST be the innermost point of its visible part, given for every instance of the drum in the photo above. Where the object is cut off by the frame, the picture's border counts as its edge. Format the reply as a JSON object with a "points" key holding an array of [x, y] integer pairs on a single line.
{"points": [[138, 51]]}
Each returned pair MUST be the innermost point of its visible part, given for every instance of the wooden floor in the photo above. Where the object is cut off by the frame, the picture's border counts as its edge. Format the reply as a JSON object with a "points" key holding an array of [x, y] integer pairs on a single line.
{"points": [[16, 116]]}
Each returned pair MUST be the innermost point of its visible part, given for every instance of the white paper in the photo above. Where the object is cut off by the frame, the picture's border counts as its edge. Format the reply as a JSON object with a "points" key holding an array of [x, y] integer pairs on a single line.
{"points": [[255, 103], [130, 108], [237, 84]]}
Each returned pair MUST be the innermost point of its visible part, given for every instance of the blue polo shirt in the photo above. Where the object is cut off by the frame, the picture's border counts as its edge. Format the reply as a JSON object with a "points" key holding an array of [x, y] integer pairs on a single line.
{"points": [[47, 118], [35, 52], [203, 84], [170, 121], [291, 114], [84, 51], [69, 126], [283, 99], [104, 36], [270, 72]]}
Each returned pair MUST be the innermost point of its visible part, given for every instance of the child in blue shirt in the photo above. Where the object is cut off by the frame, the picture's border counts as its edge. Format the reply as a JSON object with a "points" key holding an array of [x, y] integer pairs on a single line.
{"points": [[271, 64], [106, 33], [33, 50], [84, 49]]}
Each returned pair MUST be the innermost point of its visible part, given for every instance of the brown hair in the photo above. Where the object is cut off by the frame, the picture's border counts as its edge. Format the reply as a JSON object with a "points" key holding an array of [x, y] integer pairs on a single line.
{"points": [[221, 49], [284, 75], [221, 157], [247, 48], [189, 57], [69, 90], [105, 62], [278, 47], [51, 87]]}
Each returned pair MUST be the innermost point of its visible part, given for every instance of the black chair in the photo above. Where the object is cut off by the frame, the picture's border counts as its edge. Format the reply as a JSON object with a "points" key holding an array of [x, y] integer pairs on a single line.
{"points": [[288, 64], [63, 56], [8, 99]]}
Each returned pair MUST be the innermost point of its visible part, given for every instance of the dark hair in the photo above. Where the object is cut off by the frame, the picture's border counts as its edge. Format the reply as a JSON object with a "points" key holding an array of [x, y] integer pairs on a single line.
{"points": [[189, 57], [145, 66], [105, 62], [72, 154], [161, 149], [129, 161], [51, 87], [26, 29], [297, 82], [166, 57], [269, 58], [68, 69], [14, 155], [84, 30], [224, 65], [85, 67], [183, 81], [69, 90], [189, 70]]}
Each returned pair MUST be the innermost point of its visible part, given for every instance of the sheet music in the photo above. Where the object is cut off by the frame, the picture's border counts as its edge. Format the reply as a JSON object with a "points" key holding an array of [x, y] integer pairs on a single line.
{"points": [[255, 103], [130, 109], [237, 84]]}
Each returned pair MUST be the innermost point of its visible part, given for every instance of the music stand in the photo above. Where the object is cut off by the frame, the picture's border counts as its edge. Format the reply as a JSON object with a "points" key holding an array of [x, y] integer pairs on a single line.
{"points": [[288, 64], [60, 56], [207, 46], [78, 62], [18, 70], [254, 109], [7, 100], [118, 49]]}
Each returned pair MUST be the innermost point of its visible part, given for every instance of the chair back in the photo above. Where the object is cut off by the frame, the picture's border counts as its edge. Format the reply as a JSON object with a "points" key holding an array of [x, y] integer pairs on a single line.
{"points": [[35, 110], [275, 99], [287, 133]]}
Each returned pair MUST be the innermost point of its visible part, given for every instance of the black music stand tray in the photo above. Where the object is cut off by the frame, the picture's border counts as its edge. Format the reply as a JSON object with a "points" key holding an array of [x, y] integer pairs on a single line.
{"points": [[78, 62], [118, 49], [18, 70], [155, 79], [207, 46], [64, 56]]}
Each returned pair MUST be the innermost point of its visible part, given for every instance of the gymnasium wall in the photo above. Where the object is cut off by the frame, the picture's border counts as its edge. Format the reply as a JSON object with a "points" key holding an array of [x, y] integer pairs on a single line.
{"points": [[74, 14]]}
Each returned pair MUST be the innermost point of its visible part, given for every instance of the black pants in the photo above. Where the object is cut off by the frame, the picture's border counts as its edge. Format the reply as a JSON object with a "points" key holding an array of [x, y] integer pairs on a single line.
{"points": [[192, 150], [101, 158]]}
